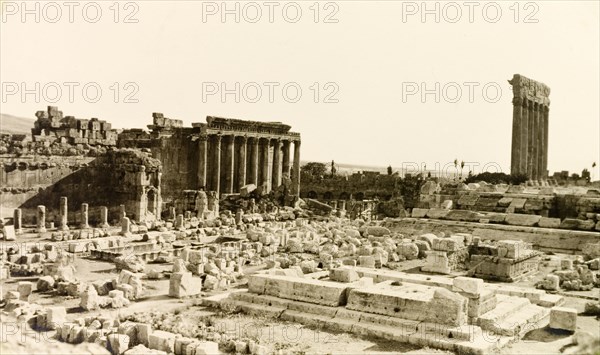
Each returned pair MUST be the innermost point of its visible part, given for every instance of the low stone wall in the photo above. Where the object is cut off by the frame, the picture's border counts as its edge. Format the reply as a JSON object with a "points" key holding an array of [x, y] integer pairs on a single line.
{"points": [[513, 219], [545, 239], [299, 289]]}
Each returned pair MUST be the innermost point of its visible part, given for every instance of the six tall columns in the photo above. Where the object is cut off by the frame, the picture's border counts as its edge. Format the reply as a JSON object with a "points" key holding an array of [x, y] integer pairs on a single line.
{"points": [[529, 153]]}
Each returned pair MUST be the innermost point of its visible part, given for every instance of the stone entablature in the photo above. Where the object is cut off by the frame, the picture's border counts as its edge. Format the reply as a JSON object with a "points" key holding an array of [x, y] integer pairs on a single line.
{"points": [[52, 126]]}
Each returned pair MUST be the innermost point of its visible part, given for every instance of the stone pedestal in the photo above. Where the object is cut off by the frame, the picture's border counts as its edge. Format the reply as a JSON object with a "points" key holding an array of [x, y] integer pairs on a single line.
{"points": [[125, 227]]}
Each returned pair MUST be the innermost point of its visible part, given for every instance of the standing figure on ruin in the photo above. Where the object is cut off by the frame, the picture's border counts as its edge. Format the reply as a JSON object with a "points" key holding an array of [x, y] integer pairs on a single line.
{"points": [[252, 206], [201, 204], [213, 202]]}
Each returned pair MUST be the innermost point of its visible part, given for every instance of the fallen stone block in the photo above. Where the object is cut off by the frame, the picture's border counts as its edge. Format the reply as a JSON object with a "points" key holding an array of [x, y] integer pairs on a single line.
{"points": [[377, 231], [344, 274], [118, 343], [563, 318], [161, 340], [45, 283], [25, 288], [184, 284]]}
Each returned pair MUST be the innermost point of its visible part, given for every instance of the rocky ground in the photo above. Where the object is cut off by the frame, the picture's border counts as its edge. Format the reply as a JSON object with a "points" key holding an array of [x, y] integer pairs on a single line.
{"points": [[189, 318]]}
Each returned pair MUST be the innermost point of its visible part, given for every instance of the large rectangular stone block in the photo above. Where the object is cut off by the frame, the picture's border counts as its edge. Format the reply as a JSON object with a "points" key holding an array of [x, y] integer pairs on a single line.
{"points": [[299, 289], [528, 220], [563, 318]]}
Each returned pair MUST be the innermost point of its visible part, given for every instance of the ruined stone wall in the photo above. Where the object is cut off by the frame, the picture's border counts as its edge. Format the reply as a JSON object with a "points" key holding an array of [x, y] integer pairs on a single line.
{"points": [[178, 155], [23, 178], [545, 202], [360, 186], [120, 177]]}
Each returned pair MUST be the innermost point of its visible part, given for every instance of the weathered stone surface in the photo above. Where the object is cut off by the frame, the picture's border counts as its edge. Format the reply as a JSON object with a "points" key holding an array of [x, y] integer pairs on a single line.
{"points": [[325, 293], [549, 283], [419, 213], [161, 340], [470, 286], [546, 222], [517, 219], [184, 284], [344, 274], [118, 343], [9, 233], [463, 215], [437, 213], [377, 231], [90, 299], [563, 318], [45, 283]]}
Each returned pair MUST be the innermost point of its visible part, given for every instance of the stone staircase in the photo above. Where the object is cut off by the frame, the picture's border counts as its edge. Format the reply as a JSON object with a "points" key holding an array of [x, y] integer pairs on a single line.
{"points": [[514, 316]]}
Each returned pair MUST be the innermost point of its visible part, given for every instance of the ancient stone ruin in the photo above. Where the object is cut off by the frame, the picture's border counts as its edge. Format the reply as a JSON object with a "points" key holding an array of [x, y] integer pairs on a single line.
{"points": [[211, 239]]}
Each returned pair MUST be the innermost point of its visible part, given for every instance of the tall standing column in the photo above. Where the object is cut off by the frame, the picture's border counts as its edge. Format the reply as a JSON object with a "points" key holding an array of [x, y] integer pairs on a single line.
{"points": [[296, 173], [524, 155], [515, 157], [85, 216], [41, 219], [264, 164], [530, 139], [202, 161], [216, 173], [242, 162], [540, 156], [545, 152], [18, 220], [229, 161], [64, 214], [286, 158], [276, 163], [254, 158], [535, 140]]}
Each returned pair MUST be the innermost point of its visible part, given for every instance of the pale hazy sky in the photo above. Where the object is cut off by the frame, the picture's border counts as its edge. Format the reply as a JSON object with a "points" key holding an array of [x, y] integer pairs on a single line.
{"points": [[371, 52]]}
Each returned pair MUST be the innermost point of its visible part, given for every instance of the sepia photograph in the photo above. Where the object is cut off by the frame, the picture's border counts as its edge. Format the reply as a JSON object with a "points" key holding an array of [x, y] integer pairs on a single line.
{"points": [[349, 177]]}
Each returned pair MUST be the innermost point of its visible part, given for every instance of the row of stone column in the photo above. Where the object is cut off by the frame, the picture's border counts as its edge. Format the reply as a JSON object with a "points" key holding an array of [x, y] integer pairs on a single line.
{"points": [[64, 225], [529, 154], [245, 160]]}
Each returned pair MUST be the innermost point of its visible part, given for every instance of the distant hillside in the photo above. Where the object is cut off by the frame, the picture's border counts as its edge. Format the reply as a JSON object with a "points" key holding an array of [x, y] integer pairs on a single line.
{"points": [[15, 125]]}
